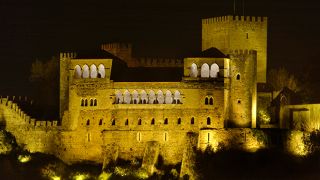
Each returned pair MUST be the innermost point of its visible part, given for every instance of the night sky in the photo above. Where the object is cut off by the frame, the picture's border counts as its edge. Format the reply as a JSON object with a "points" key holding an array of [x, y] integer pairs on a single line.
{"points": [[40, 29]]}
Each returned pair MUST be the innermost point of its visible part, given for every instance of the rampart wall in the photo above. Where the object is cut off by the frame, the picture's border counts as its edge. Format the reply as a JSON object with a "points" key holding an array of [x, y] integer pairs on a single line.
{"points": [[33, 135]]}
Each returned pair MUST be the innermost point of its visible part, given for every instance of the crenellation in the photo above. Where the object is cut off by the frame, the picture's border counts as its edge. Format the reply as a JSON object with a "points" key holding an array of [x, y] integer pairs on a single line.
{"points": [[68, 55], [222, 19]]}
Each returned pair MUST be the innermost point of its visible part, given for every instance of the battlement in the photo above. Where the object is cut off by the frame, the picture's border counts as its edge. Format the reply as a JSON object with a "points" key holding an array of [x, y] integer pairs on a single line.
{"points": [[10, 104], [68, 55], [160, 62], [109, 46], [42, 123], [235, 19], [242, 52]]}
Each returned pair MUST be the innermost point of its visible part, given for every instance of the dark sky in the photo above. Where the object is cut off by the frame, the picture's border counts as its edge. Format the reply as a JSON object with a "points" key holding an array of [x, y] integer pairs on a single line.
{"points": [[41, 29]]}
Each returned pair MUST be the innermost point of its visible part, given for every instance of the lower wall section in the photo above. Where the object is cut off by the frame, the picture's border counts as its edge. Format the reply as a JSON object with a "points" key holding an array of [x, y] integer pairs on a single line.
{"points": [[131, 144], [236, 138]]}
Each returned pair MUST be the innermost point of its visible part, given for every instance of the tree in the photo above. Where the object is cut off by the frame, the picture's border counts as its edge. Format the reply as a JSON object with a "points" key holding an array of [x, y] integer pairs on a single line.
{"points": [[45, 77], [298, 83], [280, 78]]}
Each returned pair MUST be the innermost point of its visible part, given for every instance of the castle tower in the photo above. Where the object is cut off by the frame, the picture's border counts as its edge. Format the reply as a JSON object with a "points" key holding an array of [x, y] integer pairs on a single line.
{"points": [[229, 33], [64, 81], [242, 89]]}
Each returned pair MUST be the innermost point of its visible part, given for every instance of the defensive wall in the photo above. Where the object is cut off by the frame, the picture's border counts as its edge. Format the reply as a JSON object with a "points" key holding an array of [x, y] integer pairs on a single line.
{"points": [[33, 135]]}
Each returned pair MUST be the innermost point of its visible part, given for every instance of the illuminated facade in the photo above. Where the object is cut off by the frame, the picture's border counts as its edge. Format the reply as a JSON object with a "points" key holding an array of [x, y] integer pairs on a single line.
{"points": [[103, 119]]}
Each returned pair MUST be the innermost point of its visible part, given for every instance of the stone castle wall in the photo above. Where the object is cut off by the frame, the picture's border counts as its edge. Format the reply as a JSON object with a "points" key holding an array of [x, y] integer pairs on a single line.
{"points": [[33, 135]]}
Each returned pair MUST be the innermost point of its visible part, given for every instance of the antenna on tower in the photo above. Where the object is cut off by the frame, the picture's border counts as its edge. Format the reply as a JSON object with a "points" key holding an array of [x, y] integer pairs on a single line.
{"points": [[243, 7], [234, 7]]}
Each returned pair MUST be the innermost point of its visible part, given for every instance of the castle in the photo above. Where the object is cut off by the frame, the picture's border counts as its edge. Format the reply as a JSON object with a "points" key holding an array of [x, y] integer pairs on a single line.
{"points": [[104, 117]]}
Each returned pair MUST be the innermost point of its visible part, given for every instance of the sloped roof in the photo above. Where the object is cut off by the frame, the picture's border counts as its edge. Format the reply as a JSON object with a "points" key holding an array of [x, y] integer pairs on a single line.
{"points": [[211, 52]]}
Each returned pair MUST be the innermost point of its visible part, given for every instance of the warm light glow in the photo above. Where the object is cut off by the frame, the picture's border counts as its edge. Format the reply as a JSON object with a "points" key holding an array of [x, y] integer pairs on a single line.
{"points": [[24, 158], [296, 144], [120, 171], [104, 176], [141, 174], [264, 117], [252, 145], [81, 177], [55, 178]]}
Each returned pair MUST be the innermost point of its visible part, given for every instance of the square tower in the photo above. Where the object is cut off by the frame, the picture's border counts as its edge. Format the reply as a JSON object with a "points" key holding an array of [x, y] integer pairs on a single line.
{"points": [[229, 33]]}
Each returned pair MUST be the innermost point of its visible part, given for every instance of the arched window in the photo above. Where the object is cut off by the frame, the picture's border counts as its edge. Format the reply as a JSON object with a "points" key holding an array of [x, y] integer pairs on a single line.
{"points": [[119, 97], [82, 102], [160, 98], [168, 98], [135, 97], [208, 121], [206, 101], [127, 122], [177, 97], [211, 101], [95, 102], [192, 120], [100, 122], [101, 71], [88, 122], [139, 122], [93, 71], [165, 121], [214, 70], [77, 72], [143, 97], [152, 121], [152, 97], [193, 70], [179, 120], [127, 97], [205, 70], [91, 102], [85, 71], [85, 102], [238, 76], [113, 122]]}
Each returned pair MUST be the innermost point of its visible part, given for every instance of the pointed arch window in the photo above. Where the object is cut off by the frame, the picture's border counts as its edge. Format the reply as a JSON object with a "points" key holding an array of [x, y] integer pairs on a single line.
{"points": [[192, 120], [193, 70], [206, 101], [211, 101], [77, 72], [208, 121], [205, 70], [179, 121], [214, 70], [165, 121]]}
